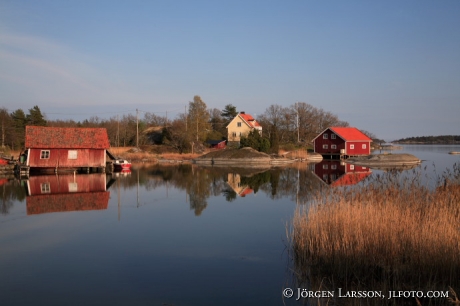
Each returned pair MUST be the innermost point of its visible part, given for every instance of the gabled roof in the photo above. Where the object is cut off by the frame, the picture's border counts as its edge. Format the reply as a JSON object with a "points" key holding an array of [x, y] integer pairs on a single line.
{"points": [[350, 179], [249, 120], [66, 138], [49, 203], [347, 133]]}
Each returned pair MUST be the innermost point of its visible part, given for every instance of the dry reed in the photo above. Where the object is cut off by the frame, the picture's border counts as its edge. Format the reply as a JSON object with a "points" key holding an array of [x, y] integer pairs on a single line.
{"points": [[390, 229]]}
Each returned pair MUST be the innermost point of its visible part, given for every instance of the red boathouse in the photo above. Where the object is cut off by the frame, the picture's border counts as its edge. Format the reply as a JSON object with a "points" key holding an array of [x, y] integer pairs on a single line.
{"points": [[56, 148], [343, 142]]}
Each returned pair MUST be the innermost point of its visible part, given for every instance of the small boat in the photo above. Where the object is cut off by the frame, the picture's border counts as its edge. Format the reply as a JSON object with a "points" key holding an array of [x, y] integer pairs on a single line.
{"points": [[454, 152], [121, 164]]}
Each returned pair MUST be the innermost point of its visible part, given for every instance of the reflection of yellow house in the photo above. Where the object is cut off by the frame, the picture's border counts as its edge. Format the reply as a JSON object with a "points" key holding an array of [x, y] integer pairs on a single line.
{"points": [[241, 125], [234, 181]]}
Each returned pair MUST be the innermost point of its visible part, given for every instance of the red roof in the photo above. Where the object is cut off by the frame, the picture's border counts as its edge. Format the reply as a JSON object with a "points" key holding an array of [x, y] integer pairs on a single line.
{"points": [[350, 179], [250, 120], [66, 138], [49, 203], [349, 133]]}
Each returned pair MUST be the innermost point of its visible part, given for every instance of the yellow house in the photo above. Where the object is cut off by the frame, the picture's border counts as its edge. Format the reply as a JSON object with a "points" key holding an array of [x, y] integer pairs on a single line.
{"points": [[241, 125]]}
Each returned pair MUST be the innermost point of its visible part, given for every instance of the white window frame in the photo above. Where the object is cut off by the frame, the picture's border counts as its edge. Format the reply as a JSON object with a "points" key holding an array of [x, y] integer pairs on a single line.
{"points": [[72, 154], [333, 136], [45, 188], [73, 187], [238, 124], [333, 146], [325, 146], [325, 136], [364, 146], [352, 147], [44, 154]]}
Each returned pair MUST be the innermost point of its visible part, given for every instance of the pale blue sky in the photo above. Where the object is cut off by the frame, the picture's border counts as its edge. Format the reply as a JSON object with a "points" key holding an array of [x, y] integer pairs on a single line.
{"points": [[389, 67]]}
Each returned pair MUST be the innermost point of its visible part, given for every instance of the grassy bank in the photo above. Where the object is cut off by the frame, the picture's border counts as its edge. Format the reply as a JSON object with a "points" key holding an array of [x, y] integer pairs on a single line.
{"points": [[392, 233]]}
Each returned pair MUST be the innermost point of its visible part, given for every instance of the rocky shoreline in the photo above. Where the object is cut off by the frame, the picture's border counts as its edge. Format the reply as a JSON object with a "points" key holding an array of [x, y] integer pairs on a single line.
{"points": [[242, 157], [386, 160]]}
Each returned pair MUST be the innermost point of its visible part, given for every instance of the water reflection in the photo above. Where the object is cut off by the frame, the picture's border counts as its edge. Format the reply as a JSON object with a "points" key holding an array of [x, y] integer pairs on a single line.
{"points": [[60, 193], [296, 182], [11, 191], [338, 173]]}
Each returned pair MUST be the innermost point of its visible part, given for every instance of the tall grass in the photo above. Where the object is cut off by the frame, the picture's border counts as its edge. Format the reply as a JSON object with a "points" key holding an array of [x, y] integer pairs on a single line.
{"points": [[392, 231]]}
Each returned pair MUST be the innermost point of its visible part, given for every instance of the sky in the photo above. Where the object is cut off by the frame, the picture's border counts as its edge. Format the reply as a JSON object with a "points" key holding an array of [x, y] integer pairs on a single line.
{"points": [[391, 68]]}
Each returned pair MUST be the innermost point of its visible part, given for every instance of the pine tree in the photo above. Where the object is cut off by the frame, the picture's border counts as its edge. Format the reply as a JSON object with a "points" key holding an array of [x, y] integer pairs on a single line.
{"points": [[35, 117]]}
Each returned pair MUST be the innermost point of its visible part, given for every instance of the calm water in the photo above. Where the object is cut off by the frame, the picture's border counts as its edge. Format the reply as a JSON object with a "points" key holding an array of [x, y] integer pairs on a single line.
{"points": [[161, 235]]}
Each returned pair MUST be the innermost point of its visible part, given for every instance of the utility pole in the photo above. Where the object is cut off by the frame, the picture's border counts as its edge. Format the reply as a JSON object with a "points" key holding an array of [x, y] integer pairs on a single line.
{"points": [[298, 127], [137, 128], [3, 134], [185, 118]]}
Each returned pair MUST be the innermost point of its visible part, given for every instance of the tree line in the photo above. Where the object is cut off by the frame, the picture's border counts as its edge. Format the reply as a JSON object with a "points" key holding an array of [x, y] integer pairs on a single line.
{"points": [[442, 139], [296, 124]]}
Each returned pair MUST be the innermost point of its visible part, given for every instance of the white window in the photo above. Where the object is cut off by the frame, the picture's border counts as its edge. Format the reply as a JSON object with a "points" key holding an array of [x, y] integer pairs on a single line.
{"points": [[44, 154], [238, 124], [333, 167], [352, 146], [333, 146], [72, 154], [234, 134], [325, 146], [333, 136], [364, 146], [45, 188], [352, 167], [73, 187], [325, 136], [325, 166]]}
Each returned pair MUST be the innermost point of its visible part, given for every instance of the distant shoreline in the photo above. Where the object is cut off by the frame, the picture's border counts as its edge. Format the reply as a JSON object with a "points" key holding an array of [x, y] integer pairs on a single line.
{"points": [[426, 143]]}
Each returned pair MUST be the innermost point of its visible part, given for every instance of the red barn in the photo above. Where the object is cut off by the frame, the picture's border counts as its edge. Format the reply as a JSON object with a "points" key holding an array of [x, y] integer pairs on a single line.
{"points": [[342, 141], [54, 148]]}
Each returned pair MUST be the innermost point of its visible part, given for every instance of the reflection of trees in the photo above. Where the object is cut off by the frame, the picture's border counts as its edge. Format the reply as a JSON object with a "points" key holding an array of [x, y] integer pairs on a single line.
{"points": [[10, 192], [297, 183]]}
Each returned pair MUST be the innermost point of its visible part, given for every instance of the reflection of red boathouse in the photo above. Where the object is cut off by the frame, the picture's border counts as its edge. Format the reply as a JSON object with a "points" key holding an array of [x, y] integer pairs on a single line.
{"points": [[338, 173], [59, 193]]}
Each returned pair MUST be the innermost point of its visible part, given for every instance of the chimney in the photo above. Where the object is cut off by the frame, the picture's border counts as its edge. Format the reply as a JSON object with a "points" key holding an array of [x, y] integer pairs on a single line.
{"points": [[242, 113]]}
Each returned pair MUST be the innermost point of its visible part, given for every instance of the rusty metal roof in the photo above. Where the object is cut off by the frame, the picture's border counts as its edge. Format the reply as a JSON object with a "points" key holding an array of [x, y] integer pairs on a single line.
{"points": [[66, 138]]}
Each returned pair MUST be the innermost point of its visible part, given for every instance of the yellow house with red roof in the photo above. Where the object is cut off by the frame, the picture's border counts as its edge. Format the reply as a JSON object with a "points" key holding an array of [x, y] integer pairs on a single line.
{"points": [[240, 126]]}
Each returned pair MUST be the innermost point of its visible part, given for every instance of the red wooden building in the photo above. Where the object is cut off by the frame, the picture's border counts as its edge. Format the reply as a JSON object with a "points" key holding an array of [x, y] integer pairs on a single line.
{"points": [[55, 148], [216, 144], [342, 141], [60, 193]]}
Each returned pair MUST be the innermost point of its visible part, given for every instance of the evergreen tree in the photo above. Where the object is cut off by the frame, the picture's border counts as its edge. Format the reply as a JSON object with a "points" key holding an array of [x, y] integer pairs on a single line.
{"points": [[19, 121], [35, 117], [255, 141], [228, 113]]}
